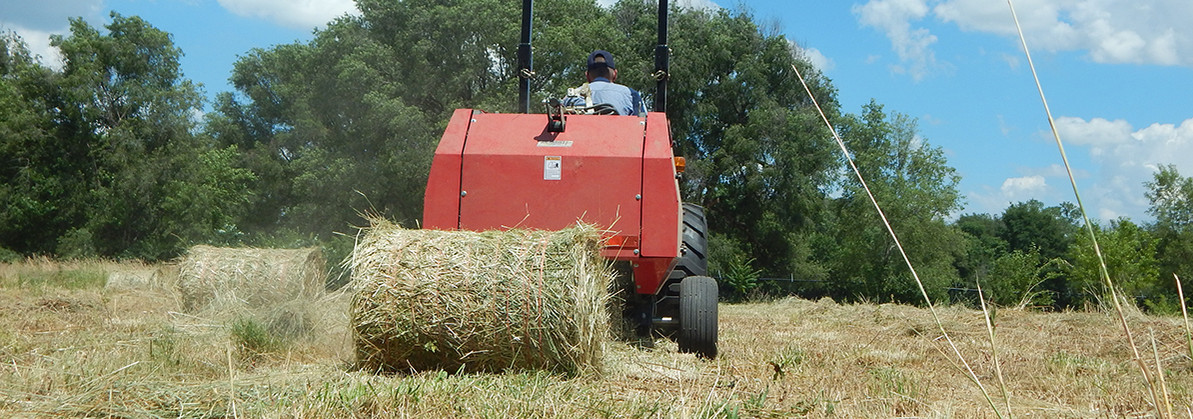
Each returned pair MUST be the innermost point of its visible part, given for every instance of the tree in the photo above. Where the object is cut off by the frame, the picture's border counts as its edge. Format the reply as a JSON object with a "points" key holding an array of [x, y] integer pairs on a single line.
{"points": [[104, 161], [917, 189], [30, 185], [984, 234], [1029, 224], [761, 157], [1130, 255], [1171, 198]]}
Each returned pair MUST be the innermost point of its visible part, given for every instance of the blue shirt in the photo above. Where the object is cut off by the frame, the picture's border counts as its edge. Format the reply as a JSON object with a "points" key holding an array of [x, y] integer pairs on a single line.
{"points": [[627, 101]]}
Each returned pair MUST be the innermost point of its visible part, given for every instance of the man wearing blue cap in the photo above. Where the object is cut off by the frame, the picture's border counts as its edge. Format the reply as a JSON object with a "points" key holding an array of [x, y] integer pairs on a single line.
{"points": [[601, 89]]}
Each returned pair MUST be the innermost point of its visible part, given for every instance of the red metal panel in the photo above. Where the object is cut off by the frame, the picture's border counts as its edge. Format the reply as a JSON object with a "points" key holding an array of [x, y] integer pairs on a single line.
{"points": [[441, 202], [508, 179], [649, 274], [661, 216]]}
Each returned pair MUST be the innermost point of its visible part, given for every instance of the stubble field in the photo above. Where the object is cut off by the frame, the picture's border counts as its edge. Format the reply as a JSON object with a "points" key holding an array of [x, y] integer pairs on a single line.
{"points": [[111, 340]]}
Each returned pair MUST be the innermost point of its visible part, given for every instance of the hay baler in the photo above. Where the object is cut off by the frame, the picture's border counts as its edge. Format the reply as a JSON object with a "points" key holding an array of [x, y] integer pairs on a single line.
{"points": [[550, 171]]}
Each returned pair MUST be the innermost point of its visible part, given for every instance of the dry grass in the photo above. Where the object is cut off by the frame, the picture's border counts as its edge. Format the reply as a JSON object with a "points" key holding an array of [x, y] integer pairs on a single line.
{"points": [[129, 352]]}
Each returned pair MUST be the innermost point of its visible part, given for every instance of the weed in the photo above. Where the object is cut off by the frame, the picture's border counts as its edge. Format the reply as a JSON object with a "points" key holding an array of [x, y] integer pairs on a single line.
{"points": [[164, 347], [74, 279], [252, 340], [788, 359]]}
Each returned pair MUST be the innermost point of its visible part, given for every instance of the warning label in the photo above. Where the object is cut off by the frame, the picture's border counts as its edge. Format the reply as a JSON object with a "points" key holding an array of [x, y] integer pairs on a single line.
{"points": [[552, 167]]}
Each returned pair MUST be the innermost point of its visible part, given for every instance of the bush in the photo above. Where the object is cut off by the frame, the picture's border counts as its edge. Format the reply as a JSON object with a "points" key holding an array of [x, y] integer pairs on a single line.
{"points": [[9, 256]]}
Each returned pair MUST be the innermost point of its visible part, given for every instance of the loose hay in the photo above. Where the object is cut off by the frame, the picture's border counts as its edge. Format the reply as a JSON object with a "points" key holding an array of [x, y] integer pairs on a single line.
{"points": [[256, 277], [479, 301]]}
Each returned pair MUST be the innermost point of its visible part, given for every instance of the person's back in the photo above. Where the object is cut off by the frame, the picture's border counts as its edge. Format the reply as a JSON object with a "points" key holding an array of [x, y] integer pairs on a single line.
{"points": [[602, 89]]}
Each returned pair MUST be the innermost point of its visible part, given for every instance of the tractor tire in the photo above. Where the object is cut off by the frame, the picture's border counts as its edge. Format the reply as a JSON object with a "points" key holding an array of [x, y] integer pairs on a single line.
{"points": [[693, 257], [698, 316]]}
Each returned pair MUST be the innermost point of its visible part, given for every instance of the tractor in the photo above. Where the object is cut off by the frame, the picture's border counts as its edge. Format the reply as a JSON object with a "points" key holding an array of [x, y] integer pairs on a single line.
{"points": [[549, 171]]}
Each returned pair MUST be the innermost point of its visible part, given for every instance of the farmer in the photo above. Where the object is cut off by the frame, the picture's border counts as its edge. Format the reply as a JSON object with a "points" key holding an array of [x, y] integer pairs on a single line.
{"points": [[601, 89]]}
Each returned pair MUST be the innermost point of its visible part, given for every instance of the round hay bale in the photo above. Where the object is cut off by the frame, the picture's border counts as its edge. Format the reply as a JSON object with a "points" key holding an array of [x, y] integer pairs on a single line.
{"points": [[479, 301], [250, 276]]}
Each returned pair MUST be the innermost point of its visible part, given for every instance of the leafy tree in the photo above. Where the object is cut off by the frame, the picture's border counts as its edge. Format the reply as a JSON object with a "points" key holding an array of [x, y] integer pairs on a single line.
{"points": [[1130, 255], [1029, 224], [917, 189], [761, 158], [104, 161], [1171, 198], [984, 234], [1017, 279], [30, 185]]}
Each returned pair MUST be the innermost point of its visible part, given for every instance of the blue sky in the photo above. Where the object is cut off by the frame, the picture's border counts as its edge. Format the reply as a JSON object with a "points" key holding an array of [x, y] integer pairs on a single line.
{"points": [[1118, 76]]}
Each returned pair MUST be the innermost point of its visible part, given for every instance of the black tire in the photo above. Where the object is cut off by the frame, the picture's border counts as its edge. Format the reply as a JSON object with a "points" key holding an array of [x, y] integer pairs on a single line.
{"points": [[693, 257], [698, 316]]}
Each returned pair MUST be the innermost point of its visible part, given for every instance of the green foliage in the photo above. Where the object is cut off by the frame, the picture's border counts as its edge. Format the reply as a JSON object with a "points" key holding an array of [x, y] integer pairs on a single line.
{"points": [[1015, 279], [741, 277], [78, 278], [1171, 197], [9, 256], [102, 159], [1130, 255], [984, 243], [77, 243], [917, 190], [1030, 225], [252, 339]]}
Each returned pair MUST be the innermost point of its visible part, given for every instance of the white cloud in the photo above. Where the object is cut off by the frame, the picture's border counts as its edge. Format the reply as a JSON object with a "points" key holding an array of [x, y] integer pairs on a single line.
{"points": [[1114, 32], [300, 14], [1026, 186], [39, 44], [1096, 132], [35, 23], [813, 55], [1126, 157], [912, 45]]}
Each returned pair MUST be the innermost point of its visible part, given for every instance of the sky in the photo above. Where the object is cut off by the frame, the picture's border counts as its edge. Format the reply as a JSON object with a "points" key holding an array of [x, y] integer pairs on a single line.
{"points": [[1118, 76]]}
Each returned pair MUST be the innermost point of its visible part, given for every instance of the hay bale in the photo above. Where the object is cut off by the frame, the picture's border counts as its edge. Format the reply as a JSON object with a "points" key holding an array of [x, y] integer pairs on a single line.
{"points": [[249, 276], [479, 301]]}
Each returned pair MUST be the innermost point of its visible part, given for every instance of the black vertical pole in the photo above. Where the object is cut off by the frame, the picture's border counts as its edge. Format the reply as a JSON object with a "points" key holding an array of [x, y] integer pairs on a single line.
{"points": [[662, 61], [525, 62]]}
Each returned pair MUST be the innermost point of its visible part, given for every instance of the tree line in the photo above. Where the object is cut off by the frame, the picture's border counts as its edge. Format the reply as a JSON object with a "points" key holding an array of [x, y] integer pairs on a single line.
{"points": [[110, 155]]}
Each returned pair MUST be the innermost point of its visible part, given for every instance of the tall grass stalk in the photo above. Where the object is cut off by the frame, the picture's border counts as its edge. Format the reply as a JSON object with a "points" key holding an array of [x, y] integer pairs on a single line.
{"points": [[1160, 374], [1185, 313], [973, 376], [1002, 384], [231, 383], [1151, 385]]}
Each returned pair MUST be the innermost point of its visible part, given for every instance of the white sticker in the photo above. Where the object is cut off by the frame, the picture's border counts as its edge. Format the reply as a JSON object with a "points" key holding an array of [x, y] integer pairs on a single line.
{"points": [[554, 143], [552, 167]]}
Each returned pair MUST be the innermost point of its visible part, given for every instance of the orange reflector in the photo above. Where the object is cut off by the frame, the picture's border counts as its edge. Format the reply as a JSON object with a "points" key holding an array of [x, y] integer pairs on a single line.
{"points": [[623, 242], [680, 164]]}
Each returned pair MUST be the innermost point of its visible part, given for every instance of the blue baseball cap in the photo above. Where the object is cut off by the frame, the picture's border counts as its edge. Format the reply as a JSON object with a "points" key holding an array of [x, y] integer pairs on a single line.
{"points": [[607, 62]]}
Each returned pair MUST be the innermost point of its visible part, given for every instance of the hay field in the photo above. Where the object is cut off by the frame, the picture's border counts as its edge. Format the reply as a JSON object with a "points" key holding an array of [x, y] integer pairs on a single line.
{"points": [[73, 347]]}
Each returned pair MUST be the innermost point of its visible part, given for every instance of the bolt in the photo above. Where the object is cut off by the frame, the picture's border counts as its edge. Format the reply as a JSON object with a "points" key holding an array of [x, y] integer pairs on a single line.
{"points": [[638, 197], [463, 194], [635, 252]]}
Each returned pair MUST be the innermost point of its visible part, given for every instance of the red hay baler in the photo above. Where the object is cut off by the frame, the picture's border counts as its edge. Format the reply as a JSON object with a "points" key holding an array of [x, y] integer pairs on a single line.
{"points": [[500, 171], [550, 171]]}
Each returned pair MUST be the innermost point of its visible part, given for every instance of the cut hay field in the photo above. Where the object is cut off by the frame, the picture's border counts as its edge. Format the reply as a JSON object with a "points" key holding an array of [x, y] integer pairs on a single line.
{"points": [[72, 346]]}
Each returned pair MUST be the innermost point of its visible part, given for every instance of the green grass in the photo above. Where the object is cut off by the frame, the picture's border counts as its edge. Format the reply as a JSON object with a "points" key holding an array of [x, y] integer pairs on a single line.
{"points": [[71, 279]]}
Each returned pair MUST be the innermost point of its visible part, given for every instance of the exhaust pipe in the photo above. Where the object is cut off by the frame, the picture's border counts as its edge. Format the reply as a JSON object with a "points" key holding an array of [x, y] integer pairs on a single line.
{"points": [[662, 61], [525, 62]]}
